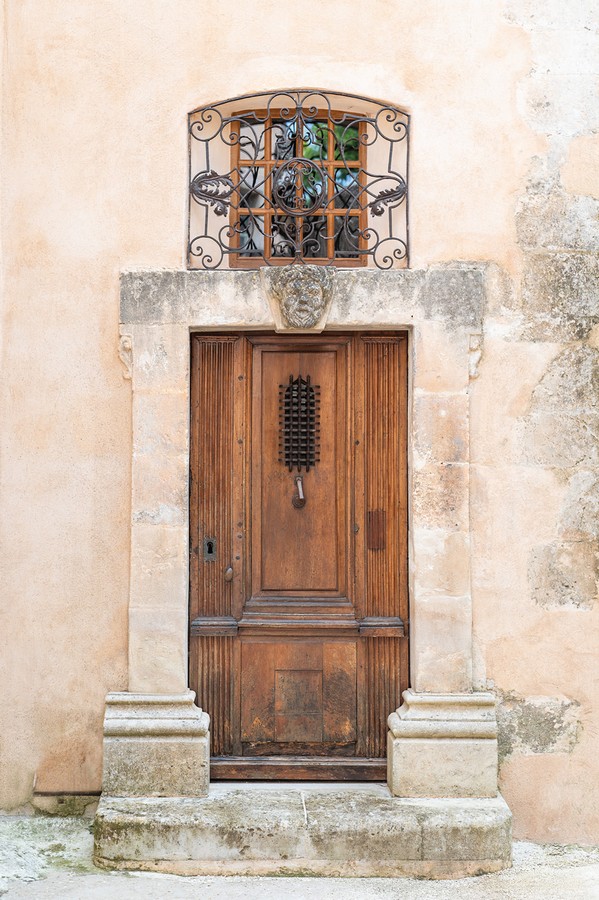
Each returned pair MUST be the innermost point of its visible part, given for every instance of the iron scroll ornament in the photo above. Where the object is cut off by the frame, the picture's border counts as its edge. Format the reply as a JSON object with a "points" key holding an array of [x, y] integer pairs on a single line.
{"points": [[299, 187]]}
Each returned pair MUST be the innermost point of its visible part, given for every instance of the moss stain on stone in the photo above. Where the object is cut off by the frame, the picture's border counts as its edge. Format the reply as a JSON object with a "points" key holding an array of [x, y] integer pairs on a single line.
{"points": [[536, 725]]}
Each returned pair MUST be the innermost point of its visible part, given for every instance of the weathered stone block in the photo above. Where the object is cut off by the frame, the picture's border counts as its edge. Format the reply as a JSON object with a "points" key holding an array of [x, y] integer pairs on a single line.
{"points": [[367, 296], [442, 768], [440, 496], [561, 439], [338, 831], [440, 357], [441, 645], [155, 746], [580, 518], [548, 218], [442, 430], [158, 566], [160, 422], [158, 648], [456, 295], [565, 573], [304, 829], [159, 489], [484, 836], [443, 562], [160, 357], [196, 298], [564, 104], [443, 745], [571, 382], [559, 292]]}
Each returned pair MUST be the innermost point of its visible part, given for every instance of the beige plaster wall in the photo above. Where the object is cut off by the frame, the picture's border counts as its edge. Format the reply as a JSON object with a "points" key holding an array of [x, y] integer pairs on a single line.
{"points": [[503, 95]]}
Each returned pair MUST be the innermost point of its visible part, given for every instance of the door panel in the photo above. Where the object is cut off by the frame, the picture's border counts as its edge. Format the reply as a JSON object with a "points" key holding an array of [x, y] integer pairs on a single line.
{"points": [[298, 590], [298, 694], [288, 543]]}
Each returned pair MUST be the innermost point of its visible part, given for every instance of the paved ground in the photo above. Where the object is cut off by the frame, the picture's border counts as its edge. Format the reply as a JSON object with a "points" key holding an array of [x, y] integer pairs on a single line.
{"points": [[47, 858]]}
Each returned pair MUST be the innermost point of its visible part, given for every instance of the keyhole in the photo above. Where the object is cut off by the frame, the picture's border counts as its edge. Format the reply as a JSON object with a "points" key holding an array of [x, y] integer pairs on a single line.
{"points": [[209, 549]]}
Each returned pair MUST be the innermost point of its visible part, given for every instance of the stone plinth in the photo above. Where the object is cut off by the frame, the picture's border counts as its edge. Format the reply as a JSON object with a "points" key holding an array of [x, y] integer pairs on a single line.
{"points": [[304, 828], [443, 745], [155, 745]]}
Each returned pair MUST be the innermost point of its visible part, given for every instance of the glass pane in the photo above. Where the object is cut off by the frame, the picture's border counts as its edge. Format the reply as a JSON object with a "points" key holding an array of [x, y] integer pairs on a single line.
{"points": [[347, 188], [283, 139], [250, 230], [315, 140], [251, 139], [347, 236], [251, 187], [347, 144], [314, 235], [284, 236]]}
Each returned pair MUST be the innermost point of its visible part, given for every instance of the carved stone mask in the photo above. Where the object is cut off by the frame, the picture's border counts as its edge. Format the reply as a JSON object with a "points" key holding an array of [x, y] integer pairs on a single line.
{"points": [[303, 293]]}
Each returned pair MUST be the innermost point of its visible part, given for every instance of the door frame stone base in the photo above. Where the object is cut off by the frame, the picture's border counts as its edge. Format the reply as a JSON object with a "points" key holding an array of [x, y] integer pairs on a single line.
{"points": [[443, 745], [155, 745]]}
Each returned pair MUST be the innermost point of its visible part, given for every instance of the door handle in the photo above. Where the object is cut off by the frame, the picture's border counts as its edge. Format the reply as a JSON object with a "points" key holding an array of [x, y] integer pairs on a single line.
{"points": [[298, 499], [228, 576]]}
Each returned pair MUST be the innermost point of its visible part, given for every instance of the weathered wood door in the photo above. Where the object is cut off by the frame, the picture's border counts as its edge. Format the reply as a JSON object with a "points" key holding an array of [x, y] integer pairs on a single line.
{"points": [[298, 540]]}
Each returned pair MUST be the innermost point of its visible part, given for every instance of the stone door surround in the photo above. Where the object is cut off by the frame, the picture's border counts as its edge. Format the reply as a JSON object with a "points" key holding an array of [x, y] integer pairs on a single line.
{"points": [[156, 739]]}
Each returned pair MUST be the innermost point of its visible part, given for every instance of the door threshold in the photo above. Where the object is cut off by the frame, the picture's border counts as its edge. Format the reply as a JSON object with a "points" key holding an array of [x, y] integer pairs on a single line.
{"points": [[284, 768], [355, 830]]}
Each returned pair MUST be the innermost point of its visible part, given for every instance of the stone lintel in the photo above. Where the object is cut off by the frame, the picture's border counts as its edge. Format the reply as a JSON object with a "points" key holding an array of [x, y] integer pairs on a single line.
{"points": [[443, 745], [336, 829], [453, 293], [155, 745]]}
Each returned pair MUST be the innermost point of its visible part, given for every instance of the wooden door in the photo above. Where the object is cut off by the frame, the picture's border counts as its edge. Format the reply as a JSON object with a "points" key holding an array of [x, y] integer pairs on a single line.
{"points": [[298, 540]]}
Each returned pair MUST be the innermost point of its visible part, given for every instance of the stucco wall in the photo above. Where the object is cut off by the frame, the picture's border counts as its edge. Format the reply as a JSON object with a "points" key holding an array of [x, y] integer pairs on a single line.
{"points": [[504, 161]]}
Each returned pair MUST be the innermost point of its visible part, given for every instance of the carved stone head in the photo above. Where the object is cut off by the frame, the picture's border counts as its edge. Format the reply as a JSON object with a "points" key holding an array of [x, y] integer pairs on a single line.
{"points": [[299, 295]]}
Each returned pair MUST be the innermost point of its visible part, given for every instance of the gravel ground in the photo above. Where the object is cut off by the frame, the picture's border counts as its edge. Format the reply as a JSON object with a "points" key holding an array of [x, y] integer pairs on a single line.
{"points": [[46, 858]]}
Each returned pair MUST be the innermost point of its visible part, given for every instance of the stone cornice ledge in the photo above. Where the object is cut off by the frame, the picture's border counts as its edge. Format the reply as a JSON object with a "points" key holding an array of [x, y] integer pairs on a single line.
{"points": [[445, 716], [453, 293]]}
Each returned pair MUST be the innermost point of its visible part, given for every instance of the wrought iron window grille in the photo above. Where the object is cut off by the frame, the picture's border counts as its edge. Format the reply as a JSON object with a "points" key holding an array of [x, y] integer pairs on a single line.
{"points": [[303, 177]]}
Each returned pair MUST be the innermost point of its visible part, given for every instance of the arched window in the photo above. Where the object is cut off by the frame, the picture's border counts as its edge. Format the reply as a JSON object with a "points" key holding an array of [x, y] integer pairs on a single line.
{"points": [[298, 176]]}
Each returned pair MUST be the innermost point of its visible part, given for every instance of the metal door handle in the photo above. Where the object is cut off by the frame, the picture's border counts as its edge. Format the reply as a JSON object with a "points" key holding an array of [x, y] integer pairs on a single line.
{"points": [[229, 573], [298, 498]]}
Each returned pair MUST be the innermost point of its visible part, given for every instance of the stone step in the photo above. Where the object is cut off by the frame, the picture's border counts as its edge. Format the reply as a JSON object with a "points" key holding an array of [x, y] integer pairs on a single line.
{"points": [[304, 828]]}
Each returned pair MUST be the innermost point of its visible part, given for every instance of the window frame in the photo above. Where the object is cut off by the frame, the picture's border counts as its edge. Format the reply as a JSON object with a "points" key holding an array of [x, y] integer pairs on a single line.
{"points": [[268, 119]]}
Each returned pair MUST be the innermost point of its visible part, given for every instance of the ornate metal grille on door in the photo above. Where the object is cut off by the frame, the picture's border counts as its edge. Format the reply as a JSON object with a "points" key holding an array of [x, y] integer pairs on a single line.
{"points": [[299, 423]]}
